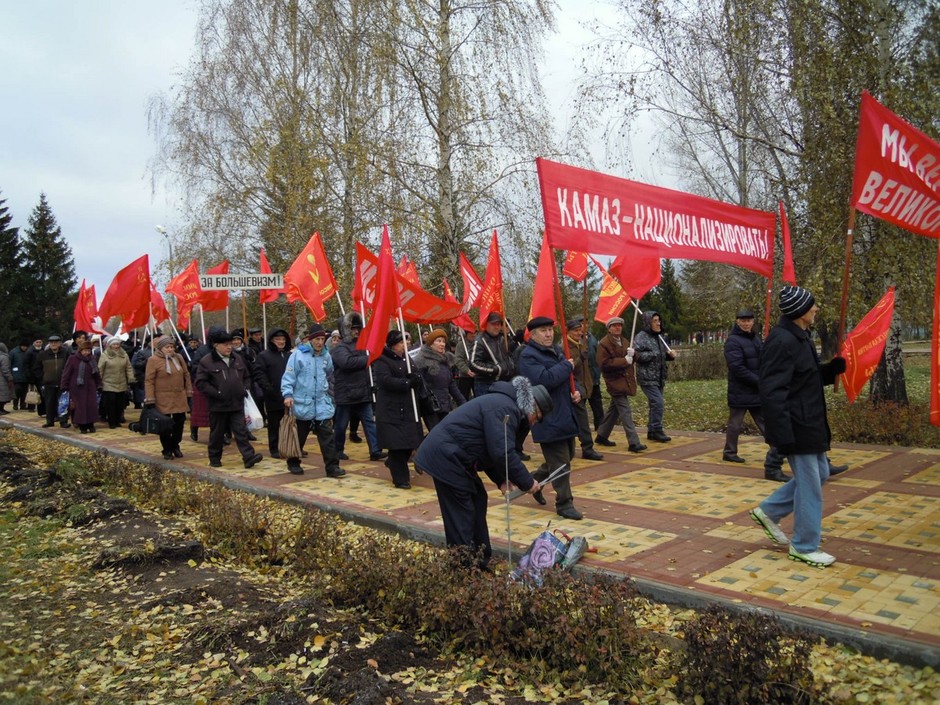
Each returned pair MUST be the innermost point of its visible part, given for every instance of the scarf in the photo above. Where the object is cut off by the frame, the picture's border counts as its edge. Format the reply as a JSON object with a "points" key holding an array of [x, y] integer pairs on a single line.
{"points": [[432, 359], [167, 359], [82, 363]]}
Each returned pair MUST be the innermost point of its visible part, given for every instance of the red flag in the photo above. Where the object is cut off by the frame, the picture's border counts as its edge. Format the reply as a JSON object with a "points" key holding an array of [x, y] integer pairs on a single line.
{"points": [[86, 308], [129, 295], [897, 171], [463, 320], [385, 305], [267, 296], [472, 284], [637, 275], [789, 273], [543, 293], [367, 265], [310, 278], [158, 309], [186, 288], [215, 300], [863, 347], [491, 298], [407, 269], [576, 265], [935, 352], [612, 299]]}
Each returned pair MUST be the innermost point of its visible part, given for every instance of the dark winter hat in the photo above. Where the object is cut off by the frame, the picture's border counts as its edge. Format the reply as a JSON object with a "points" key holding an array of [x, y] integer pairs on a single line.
{"points": [[575, 322], [355, 321], [252, 331], [614, 321], [539, 322], [55, 338], [745, 313], [543, 399], [393, 338], [238, 333], [795, 301], [222, 337], [315, 331], [494, 317]]}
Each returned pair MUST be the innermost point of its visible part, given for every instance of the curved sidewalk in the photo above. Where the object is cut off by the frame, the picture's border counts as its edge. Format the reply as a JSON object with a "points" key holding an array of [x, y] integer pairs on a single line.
{"points": [[673, 518]]}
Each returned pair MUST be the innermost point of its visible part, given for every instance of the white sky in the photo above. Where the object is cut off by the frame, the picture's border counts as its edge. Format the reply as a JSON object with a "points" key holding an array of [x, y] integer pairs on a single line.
{"points": [[75, 79]]}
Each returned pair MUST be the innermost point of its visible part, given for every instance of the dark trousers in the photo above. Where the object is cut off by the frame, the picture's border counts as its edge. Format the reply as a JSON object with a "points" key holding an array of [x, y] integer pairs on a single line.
{"points": [[19, 395], [619, 410], [50, 397], [113, 407], [397, 464], [222, 422], [363, 410], [465, 385], [557, 453], [585, 436], [325, 437], [171, 441], [275, 414], [464, 515], [597, 405], [736, 425]]}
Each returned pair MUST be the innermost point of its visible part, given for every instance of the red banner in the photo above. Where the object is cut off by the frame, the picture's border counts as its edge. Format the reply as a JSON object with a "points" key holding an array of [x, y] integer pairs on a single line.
{"points": [[417, 305], [310, 278], [593, 212], [86, 308], [576, 265], [863, 347], [186, 288], [128, 296], [612, 300], [897, 171], [215, 300]]}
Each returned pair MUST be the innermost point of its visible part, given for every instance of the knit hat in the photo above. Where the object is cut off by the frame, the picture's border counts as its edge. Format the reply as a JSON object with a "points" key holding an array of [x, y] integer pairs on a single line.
{"points": [[613, 321], [394, 337], [165, 340], [795, 301], [315, 331], [434, 335], [114, 340], [539, 322]]}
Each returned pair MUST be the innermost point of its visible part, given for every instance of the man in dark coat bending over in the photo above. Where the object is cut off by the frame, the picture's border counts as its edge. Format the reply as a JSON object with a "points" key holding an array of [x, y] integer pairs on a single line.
{"points": [[480, 436]]}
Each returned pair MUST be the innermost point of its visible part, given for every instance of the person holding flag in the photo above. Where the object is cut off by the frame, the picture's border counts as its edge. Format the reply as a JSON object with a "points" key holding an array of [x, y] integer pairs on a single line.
{"points": [[615, 358], [651, 356], [352, 390], [491, 358]]}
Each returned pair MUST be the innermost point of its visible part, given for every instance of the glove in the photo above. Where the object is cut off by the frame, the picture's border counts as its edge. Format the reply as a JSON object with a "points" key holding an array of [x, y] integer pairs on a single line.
{"points": [[414, 381], [837, 365]]}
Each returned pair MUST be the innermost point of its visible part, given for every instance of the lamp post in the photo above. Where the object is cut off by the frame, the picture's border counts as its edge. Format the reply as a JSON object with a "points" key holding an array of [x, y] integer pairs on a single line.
{"points": [[169, 243]]}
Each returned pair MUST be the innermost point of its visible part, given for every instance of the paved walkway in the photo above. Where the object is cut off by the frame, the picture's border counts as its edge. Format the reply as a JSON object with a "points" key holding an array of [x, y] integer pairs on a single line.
{"points": [[674, 519]]}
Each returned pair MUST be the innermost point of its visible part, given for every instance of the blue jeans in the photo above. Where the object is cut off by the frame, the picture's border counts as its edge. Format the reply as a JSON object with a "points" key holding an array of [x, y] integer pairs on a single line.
{"points": [[341, 422], [480, 387], [654, 393], [801, 496]]}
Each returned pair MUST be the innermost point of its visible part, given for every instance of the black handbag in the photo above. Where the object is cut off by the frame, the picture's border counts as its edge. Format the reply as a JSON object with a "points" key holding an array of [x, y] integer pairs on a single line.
{"points": [[427, 399], [152, 421]]}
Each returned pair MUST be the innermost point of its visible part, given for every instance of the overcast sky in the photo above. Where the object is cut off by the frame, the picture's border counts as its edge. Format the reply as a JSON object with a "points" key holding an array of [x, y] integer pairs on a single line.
{"points": [[75, 79]]}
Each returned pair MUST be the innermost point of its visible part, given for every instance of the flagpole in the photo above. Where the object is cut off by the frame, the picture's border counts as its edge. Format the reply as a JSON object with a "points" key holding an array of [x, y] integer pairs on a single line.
{"points": [[401, 327], [770, 289], [362, 311], [244, 319], [179, 338], [264, 323], [843, 308], [636, 314], [342, 311], [202, 321]]}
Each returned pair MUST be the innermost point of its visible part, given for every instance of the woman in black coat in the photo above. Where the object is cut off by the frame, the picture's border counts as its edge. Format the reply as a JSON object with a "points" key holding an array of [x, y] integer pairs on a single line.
{"points": [[434, 362], [398, 428]]}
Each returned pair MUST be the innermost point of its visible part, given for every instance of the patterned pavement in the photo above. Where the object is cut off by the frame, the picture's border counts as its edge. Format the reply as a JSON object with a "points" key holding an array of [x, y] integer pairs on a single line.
{"points": [[674, 519]]}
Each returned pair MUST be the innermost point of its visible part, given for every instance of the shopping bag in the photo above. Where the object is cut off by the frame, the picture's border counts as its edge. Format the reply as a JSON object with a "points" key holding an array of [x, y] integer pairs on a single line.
{"points": [[288, 441], [543, 554], [32, 396], [253, 418], [63, 407], [152, 421]]}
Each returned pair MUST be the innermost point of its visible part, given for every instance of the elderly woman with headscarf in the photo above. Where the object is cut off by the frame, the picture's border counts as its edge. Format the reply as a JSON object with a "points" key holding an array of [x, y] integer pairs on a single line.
{"points": [[168, 388], [82, 380], [436, 366], [117, 374], [398, 429]]}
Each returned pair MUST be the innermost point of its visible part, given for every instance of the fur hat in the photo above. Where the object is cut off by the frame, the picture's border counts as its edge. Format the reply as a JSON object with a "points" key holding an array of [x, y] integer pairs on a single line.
{"points": [[393, 338], [795, 301], [529, 396], [222, 337]]}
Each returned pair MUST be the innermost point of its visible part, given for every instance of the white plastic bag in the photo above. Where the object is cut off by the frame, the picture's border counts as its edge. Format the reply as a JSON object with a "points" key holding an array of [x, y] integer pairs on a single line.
{"points": [[253, 419]]}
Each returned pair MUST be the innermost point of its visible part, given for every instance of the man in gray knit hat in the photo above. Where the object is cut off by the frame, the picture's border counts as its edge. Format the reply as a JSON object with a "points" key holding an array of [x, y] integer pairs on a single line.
{"points": [[791, 393]]}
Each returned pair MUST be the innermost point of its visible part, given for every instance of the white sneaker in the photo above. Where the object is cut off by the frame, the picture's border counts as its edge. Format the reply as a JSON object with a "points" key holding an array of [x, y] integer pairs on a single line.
{"points": [[817, 559], [770, 527]]}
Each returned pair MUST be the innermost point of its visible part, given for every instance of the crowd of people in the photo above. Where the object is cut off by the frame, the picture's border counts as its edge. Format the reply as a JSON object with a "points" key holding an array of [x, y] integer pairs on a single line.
{"points": [[452, 406]]}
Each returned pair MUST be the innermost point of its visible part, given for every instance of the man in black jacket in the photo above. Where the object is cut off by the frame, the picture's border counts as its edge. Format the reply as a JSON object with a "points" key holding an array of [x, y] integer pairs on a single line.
{"points": [[222, 376], [47, 367], [794, 405], [491, 357], [269, 368]]}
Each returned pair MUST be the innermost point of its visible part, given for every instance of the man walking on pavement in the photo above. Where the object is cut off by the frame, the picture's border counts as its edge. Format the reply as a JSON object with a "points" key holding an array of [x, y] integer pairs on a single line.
{"points": [[791, 392], [48, 366], [615, 358], [584, 378], [545, 365]]}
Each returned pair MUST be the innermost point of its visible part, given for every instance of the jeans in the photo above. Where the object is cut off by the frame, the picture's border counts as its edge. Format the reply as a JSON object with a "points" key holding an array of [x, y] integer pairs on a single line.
{"points": [[802, 497], [480, 387], [657, 403], [341, 421], [619, 408]]}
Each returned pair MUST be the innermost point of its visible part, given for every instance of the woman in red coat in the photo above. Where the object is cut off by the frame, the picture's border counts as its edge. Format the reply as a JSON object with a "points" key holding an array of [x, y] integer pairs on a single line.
{"points": [[82, 380]]}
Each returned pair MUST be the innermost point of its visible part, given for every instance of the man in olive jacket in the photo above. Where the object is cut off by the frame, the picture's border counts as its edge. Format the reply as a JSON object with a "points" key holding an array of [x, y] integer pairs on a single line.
{"points": [[794, 405], [222, 376]]}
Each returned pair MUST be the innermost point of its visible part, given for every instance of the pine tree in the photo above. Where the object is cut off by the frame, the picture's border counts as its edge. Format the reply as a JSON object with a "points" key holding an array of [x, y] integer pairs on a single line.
{"points": [[50, 271], [12, 291]]}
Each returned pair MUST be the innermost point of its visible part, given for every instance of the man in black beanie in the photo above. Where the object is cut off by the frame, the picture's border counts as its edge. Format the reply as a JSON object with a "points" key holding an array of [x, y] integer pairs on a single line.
{"points": [[794, 405]]}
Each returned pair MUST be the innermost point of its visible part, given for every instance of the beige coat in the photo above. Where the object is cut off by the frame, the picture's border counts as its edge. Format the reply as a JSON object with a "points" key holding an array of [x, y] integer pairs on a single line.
{"points": [[167, 385], [116, 370]]}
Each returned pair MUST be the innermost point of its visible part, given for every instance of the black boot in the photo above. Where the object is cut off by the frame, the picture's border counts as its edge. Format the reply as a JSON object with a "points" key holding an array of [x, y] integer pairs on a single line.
{"points": [[194, 433]]}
